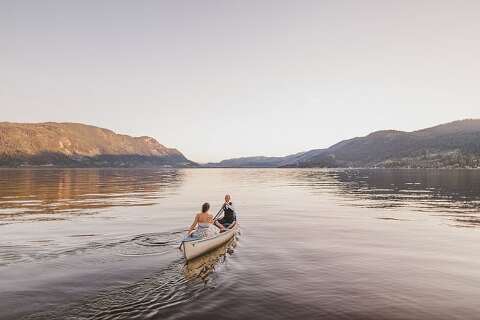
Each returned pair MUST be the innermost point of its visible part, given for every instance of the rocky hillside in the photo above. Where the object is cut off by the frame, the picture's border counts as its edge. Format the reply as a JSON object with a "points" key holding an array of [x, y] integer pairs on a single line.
{"points": [[455, 144], [79, 145]]}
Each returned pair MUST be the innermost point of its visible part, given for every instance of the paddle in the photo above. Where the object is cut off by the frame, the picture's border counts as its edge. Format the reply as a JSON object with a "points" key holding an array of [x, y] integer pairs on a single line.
{"points": [[218, 213]]}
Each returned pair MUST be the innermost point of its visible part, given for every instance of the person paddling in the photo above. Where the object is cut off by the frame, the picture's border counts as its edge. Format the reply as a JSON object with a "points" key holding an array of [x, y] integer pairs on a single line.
{"points": [[229, 215], [204, 221]]}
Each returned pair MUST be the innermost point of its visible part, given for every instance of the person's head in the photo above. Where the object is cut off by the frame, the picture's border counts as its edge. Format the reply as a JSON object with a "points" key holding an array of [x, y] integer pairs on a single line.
{"points": [[205, 207], [227, 198]]}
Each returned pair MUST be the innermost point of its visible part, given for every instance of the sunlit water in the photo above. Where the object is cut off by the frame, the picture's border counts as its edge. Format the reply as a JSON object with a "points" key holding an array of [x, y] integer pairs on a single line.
{"points": [[314, 244]]}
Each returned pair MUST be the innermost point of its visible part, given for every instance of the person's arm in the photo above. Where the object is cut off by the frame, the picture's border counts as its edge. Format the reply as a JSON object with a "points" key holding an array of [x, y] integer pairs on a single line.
{"points": [[220, 212], [223, 208], [194, 224], [218, 224]]}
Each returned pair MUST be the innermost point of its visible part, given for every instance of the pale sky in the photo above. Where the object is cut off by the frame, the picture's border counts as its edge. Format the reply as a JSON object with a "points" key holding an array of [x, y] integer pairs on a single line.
{"points": [[222, 79]]}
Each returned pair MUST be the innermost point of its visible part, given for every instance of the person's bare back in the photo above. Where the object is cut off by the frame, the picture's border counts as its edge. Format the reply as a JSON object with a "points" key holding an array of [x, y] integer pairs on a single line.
{"points": [[204, 217], [204, 223]]}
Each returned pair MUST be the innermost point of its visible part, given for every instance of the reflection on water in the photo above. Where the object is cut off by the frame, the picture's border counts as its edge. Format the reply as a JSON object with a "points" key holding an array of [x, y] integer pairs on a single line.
{"points": [[201, 267], [315, 244], [451, 193], [55, 194]]}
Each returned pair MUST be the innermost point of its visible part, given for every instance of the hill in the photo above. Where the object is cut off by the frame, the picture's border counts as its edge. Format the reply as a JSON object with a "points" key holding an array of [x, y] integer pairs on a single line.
{"points": [[265, 162], [80, 145], [455, 144]]}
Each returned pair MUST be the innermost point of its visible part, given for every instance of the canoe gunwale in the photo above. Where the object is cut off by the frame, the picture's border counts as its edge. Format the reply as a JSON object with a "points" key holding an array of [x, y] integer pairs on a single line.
{"points": [[214, 237], [191, 243]]}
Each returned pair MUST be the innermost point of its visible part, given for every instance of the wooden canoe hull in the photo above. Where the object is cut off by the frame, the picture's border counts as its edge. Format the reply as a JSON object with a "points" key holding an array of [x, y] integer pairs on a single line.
{"points": [[195, 248]]}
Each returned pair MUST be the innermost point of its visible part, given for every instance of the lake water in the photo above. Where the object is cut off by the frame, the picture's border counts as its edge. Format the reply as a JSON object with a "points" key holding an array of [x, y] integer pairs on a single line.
{"points": [[314, 244]]}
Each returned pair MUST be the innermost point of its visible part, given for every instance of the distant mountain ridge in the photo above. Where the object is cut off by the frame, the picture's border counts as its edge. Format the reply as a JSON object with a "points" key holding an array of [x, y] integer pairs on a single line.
{"points": [[80, 145], [265, 162], [454, 144]]}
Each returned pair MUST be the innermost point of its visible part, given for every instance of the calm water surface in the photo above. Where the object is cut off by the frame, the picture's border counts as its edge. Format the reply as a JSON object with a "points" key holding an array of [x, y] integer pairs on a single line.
{"points": [[314, 244]]}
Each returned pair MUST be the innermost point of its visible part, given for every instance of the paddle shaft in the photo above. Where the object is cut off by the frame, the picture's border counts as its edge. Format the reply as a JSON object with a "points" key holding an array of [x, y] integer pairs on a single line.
{"points": [[218, 213]]}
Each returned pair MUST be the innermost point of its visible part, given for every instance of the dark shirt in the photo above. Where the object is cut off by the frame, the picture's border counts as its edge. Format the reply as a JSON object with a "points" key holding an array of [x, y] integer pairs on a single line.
{"points": [[229, 214]]}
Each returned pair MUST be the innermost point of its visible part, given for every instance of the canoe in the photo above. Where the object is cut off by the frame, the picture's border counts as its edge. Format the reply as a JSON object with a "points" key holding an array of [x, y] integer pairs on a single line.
{"points": [[195, 248]]}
